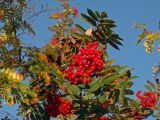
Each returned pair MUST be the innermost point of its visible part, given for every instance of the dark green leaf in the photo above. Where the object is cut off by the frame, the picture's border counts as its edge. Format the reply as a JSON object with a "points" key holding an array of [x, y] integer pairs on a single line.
{"points": [[32, 116], [89, 19], [104, 14], [112, 44], [107, 21], [98, 14], [110, 95], [116, 41], [116, 96], [109, 25], [92, 14], [125, 110], [129, 92], [81, 37], [80, 28], [116, 36]]}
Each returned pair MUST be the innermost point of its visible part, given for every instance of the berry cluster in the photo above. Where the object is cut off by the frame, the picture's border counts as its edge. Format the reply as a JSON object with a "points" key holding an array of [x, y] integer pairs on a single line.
{"points": [[101, 118], [54, 41], [75, 11], [148, 99], [86, 63], [135, 114], [56, 105]]}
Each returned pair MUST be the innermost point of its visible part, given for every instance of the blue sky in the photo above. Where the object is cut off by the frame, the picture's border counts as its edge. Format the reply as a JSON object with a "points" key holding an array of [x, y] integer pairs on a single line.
{"points": [[125, 13]]}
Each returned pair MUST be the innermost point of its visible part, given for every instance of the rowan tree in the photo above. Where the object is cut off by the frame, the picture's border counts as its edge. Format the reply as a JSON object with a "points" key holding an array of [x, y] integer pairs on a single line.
{"points": [[72, 75]]}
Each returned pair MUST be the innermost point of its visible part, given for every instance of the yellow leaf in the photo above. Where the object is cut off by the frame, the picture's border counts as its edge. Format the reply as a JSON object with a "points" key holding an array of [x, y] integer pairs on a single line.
{"points": [[47, 78], [3, 37], [13, 75], [26, 100], [10, 100], [34, 100], [88, 32], [59, 45], [8, 89], [158, 35]]}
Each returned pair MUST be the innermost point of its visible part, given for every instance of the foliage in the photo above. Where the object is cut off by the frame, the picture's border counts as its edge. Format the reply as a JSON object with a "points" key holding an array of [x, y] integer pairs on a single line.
{"points": [[149, 36], [35, 78]]}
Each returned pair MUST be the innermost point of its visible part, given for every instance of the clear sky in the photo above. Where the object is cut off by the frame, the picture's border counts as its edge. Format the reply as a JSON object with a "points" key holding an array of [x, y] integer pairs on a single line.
{"points": [[125, 13]]}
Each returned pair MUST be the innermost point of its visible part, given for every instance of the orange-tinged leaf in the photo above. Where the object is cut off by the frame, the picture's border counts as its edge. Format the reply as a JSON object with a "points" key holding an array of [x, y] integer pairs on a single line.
{"points": [[72, 116], [47, 78], [150, 84], [20, 77], [110, 73], [43, 57], [34, 101], [88, 31], [40, 74]]}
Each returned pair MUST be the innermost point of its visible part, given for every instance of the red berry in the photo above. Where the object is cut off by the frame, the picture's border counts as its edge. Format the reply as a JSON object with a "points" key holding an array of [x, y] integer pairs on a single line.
{"points": [[86, 63]]}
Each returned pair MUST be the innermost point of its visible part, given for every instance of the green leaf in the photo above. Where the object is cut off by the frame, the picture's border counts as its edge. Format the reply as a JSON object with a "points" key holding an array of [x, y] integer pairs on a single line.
{"points": [[129, 84], [110, 95], [157, 115], [102, 98], [141, 36], [133, 102], [97, 86], [116, 41], [112, 44], [80, 28], [139, 25], [92, 14], [125, 110], [79, 36], [116, 36], [98, 14], [151, 84], [129, 92], [107, 21], [73, 89], [88, 19], [109, 25], [32, 116], [108, 80], [122, 92], [148, 88], [116, 96], [89, 95], [92, 83]]}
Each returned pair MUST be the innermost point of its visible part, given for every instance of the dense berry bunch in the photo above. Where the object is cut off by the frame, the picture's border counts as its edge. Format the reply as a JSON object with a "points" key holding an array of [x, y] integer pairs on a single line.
{"points": [[148, 99], [56, 105], [86, 63]]}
